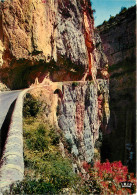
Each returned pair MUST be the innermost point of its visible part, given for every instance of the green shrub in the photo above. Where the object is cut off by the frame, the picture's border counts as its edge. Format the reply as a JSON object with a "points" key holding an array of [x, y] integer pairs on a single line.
{"points": [[31, 106], [54, 136], [75, 84], [29, 186], [111, 18], [123, 9], [61, 174], [41, 130], [38, 140], [49, 171], [104, 22]]}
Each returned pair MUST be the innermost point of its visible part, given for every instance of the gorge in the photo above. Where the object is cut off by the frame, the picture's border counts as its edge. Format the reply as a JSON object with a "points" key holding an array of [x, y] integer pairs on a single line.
{"points": [[118, 37]]}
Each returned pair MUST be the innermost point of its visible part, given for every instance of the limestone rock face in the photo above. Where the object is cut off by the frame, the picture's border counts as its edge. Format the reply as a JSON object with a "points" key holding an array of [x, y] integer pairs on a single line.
{"points": [[70, 32], [28, 26], [1, 53], [118, 36], [80, 109], [3, 87], [79, 116], [55, 37]]}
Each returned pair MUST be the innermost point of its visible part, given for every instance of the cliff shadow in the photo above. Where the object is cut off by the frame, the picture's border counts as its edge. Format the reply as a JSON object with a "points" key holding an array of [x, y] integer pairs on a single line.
{"points": [[120, 143]]}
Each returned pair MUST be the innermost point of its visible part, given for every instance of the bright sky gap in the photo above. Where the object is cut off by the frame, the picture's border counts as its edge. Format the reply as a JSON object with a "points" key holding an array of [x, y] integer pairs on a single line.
{"points": [[106, 8]]}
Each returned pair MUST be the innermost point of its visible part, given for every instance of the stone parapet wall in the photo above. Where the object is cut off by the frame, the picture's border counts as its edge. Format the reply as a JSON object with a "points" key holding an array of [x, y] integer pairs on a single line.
{"points": [[12, 162]]}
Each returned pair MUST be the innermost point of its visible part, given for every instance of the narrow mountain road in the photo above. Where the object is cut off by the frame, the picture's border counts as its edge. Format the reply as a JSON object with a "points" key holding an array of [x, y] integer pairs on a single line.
{"points": [[6, 99]]}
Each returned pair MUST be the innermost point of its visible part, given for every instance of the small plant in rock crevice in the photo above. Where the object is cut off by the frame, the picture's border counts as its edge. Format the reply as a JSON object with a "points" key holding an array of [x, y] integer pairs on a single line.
{"points": [[75, 84], [69, 144]]}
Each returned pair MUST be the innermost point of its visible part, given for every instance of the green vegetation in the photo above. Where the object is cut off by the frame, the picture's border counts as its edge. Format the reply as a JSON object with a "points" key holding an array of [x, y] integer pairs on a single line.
{"points": [[117, 19], [111, 18], [46, 171], [33, 187], [123, 9], [75, 84], [104, 22], [31, 106]]}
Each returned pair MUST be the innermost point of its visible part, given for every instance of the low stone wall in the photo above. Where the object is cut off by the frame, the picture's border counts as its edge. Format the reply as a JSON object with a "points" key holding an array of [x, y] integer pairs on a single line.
{"points": [[12, 162]]}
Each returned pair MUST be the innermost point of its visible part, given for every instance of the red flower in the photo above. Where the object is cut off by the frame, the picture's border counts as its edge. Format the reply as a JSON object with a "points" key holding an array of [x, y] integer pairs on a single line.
{"points": [[109, 175], [86, 166]]}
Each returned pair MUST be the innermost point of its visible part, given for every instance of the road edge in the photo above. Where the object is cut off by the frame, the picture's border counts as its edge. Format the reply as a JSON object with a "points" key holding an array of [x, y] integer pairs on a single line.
{"points": [[12, 162]]}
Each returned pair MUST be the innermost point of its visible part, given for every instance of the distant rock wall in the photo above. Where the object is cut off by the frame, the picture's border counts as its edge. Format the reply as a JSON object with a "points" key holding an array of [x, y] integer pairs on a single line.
{"points": [[119, 41], [118, 36]]}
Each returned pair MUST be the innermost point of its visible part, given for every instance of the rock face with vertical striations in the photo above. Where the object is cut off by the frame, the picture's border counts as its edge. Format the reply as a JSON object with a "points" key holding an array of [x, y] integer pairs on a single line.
{"points": [[80, 116], [56, 40], [119, 41]]}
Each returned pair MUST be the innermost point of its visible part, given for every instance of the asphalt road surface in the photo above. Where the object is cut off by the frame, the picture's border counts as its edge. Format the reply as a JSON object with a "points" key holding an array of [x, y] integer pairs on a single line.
{"points": [[6, 99]]}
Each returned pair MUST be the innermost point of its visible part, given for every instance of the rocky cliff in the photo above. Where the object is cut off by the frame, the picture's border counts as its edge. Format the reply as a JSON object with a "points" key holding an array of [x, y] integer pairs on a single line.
{"points": [[41, 37], [118, 37], [55, 40], [80, 110]]}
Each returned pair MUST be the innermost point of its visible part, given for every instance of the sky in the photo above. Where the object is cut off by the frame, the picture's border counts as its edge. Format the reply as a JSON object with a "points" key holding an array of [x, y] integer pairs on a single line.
{"points": [[105, 8]]}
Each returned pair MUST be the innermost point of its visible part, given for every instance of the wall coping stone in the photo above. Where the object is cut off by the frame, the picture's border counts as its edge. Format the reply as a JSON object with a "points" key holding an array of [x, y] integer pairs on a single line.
{"points": [[11, 172]]}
